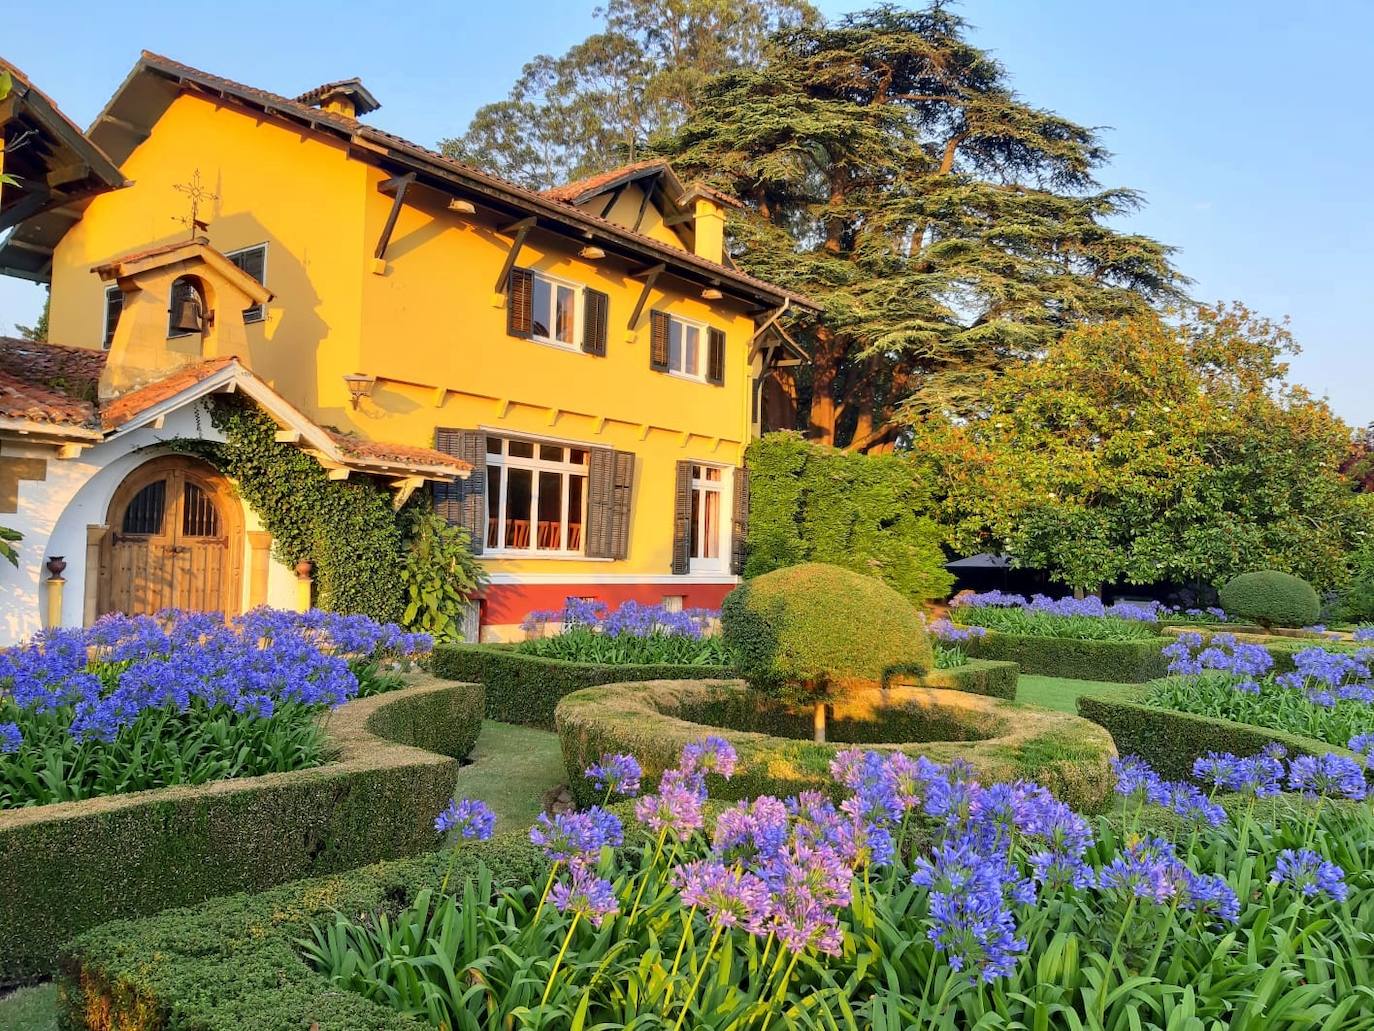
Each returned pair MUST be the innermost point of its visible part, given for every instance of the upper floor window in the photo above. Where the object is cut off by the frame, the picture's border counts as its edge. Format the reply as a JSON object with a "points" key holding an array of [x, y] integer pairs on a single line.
{"points": [[681, 347], [253, 261], [536, 496], [554, 311], [114, 304]]}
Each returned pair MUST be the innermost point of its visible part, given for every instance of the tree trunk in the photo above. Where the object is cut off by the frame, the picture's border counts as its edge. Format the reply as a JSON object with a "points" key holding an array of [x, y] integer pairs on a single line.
{"points": [[818, 722], [825, 369]]}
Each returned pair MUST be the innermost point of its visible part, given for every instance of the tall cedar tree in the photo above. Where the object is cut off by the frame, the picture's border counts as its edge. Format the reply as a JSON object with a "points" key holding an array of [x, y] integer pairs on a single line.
{"points": [[597, 105], [949, 229]]}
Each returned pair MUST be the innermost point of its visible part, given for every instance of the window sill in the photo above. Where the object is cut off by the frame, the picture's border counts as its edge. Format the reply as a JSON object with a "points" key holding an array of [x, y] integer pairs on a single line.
{"points": [[557, 556], [566, 348]]}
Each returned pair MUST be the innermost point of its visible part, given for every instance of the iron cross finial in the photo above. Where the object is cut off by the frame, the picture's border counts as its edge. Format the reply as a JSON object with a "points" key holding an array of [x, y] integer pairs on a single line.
{"points": [[199, 194]]}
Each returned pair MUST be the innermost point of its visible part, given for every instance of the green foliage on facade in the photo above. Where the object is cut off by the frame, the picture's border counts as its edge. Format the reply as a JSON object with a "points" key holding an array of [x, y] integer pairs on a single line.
{"points": [[1271, 598], [440, 572], [809, 503]]}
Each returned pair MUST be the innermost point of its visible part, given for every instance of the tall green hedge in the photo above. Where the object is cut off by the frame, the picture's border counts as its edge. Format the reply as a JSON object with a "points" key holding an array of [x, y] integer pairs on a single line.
{"points": [[809, 503], [1170, 741], [73, 865], [526, 689], [233, 964]]}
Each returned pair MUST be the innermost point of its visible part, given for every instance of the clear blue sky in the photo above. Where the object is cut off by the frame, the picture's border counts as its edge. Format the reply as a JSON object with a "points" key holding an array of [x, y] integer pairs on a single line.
{"points": [[1247, 125]]}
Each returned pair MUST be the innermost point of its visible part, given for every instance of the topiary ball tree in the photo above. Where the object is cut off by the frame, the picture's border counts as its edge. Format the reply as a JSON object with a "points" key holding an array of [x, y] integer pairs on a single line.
{"points": [[815, 630], [1271, 598]]}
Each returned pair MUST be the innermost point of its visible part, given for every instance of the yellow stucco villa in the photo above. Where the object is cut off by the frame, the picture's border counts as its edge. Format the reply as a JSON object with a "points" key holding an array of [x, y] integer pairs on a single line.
{"points": [[574, 374]]}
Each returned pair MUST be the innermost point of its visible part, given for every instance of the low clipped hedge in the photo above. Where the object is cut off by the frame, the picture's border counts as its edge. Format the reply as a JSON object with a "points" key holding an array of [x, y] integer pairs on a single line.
{"points": [[1125, 662], [234, 963], [74, 865], [976, 676], [526, 689], [1170, 740], [1003, 740]]}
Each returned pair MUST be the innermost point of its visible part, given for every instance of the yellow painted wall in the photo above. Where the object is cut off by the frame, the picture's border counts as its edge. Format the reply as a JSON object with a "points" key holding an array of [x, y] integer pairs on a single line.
{"points": [[432, 320]]}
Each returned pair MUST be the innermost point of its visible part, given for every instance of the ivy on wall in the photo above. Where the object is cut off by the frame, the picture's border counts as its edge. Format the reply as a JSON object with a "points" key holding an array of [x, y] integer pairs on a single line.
{"points": [[348, 528], [809, 503]]}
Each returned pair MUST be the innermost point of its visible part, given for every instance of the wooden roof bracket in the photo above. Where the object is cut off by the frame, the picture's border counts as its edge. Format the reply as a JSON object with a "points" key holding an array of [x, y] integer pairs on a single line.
{"points": [[395, 186], [776, 314], [650, 277], [610, 201], [649, 189], [521, 229]]}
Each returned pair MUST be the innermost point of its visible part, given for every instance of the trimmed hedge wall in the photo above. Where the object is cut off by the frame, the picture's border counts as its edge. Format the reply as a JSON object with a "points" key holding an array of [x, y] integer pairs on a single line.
{"points": [[233, 963], [977, 676], [526, 689], [1170, 741], [73, 865], [1003, 740], [1125, 662]]}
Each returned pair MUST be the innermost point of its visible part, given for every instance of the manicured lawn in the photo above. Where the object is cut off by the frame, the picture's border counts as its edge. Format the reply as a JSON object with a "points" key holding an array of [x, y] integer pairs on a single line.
{"points": [[1056, 692], [511, 769], [29, 1009]]}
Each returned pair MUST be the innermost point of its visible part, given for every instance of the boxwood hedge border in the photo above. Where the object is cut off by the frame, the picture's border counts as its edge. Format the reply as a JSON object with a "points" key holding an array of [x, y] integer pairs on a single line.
{"points": [[1170, 741], [73, 865], [525, 689], [1066, 754], [234, 963]]}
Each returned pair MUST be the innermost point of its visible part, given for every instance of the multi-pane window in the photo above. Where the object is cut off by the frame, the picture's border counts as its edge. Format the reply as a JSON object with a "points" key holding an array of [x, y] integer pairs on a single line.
{"points": [[114, 304], [554, 312], [253, 261], [685, 340], [707, 493], [536, 496]]}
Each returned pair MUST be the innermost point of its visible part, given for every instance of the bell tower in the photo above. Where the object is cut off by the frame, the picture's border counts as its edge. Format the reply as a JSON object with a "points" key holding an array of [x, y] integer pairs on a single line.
{"points": [[183, 304]]}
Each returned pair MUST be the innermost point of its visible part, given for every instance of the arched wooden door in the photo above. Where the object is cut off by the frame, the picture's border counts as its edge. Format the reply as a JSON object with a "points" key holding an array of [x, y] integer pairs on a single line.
{"points": [[175, 541]]}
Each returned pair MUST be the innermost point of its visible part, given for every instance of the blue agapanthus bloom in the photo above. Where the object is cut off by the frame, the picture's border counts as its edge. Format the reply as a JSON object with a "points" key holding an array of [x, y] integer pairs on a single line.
{"points": [[1330, 775], [1258, 775], [1310, 873], [11, 738], [619, 774], [466, 819]]}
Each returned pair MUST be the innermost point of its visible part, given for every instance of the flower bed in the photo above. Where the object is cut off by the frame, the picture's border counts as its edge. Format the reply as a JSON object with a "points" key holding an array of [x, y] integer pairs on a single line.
{"points": [[72, 865], [525, 689], [1039, 616], [134, 703], [1000, 739], [925, 899], [634, 634]]}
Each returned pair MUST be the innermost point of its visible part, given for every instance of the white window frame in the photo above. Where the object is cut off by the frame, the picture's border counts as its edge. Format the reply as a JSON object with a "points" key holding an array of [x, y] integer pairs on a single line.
{"points": [[505, 460], [578, 289], [703, 348], [724, 489], [262, 308], [107, 330]]}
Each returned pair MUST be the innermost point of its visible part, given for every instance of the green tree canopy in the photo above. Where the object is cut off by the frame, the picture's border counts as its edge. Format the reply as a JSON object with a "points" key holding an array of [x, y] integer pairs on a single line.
{"points": [[1142, 451], [595, 106], [950, 228]]}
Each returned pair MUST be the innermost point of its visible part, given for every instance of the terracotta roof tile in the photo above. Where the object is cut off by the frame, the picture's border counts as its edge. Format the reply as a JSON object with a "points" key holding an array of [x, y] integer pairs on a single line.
{"points": [[381, 451], [117, 412], [31, 402], [569, 192]]}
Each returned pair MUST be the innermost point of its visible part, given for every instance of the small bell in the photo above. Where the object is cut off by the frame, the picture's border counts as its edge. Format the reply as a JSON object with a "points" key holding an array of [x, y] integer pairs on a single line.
{"points": [[186, 316]]}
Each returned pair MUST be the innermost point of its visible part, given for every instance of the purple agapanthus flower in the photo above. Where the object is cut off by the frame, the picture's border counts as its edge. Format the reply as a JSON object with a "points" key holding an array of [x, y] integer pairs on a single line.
{"points": [[676, 809], [1137, 781], [1310, 873], [586, 894], [619, 774], [1330, 775], [466, 819], [728, 896], [1258, 775], [577, 837], [709, 755]]}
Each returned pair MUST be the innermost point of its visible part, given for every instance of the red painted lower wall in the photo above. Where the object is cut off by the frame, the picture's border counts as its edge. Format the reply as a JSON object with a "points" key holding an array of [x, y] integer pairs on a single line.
{"points": [[504, 604]]}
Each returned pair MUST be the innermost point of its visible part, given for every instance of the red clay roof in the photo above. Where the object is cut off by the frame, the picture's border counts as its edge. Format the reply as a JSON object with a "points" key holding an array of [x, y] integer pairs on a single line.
{"points": [[569, 192], [32, 402], [383, 452], [48, 383], [115, 413]]}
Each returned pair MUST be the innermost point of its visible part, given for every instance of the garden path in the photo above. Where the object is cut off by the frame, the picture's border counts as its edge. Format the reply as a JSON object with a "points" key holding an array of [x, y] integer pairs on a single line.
{"points": [[511, 769]]}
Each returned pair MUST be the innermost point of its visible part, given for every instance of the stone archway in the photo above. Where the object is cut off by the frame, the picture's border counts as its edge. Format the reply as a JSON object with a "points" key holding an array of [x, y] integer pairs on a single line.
{"points": [[174, 540]]}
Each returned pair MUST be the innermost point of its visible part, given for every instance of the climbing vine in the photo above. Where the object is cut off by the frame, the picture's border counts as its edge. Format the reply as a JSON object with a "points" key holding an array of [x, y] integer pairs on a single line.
{"points": [[348, 528]]}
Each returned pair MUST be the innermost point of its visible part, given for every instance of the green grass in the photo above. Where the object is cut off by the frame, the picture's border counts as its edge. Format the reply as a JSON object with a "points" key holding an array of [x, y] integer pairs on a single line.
{"points": [[511, 769], [1056, 692], [29, 1009]]}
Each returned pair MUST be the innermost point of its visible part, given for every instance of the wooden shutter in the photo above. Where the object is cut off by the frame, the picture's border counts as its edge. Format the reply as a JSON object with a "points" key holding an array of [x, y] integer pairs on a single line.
{"points": [[464, 502], [739, 527], [682, 520], [610, 490], [658, 341], [715, 356], [595, 315], [520, 303]]}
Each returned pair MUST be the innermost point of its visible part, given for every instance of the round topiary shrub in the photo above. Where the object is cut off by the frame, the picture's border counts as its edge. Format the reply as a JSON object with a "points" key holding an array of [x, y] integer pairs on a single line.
{"points": [[817, 630], [1271, 598]]}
